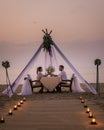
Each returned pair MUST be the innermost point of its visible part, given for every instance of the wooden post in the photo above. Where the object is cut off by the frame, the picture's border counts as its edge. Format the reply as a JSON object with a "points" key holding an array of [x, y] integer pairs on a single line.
{"points": [[97, 79]]}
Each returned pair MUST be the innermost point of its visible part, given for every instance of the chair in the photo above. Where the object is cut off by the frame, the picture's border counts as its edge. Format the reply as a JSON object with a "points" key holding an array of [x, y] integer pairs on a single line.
{"points": [[67, 83], [36, 84]]}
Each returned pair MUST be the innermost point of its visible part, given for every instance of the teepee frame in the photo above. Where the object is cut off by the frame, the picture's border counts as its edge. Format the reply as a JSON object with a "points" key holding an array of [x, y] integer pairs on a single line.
{"points": [[30, 63]]}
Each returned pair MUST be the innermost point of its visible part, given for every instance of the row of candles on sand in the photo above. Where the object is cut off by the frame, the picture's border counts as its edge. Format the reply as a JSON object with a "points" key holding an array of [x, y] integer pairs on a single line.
{"points": [[93, 119], [15, 107]]}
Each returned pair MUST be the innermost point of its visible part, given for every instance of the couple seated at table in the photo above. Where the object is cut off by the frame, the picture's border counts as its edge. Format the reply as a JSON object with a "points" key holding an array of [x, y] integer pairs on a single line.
{"points": [[62, 75]]}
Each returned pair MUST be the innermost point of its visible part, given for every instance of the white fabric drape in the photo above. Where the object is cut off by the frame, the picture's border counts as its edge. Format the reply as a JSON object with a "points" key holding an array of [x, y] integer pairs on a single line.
{"points": [[23, 73], [50, 60], [76, 85], [74, 70], [26, 88]]}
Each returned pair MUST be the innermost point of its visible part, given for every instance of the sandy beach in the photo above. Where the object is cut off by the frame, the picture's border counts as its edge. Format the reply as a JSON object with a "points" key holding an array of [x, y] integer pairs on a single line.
{"points": [[58, 111], [52, 51]]}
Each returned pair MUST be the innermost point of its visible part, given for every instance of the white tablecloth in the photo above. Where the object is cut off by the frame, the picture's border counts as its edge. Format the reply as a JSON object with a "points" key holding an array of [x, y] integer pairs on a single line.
{"points": [[50, 82]]}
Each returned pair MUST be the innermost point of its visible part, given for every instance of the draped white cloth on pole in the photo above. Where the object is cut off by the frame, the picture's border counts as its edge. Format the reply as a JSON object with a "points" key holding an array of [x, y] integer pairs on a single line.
{"points": [[76, 85], [22, 74], [50, 58], [74, 70], [51, 61], [26, 88]]}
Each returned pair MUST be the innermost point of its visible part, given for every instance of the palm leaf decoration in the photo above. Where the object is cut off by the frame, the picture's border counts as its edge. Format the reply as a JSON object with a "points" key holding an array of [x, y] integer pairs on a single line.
{"points": [[97, 62], [47, 41], [5, 64]]}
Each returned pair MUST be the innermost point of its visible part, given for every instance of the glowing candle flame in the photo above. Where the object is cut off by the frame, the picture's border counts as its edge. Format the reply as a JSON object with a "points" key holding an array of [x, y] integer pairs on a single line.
{"points": [[21, 101], [24, 99], [82, 101], [88, 110], [18, 104], [15, 107], [93, 120], [90, 115], [10, 112], [85, 105], [80, 97], [2, 120]]}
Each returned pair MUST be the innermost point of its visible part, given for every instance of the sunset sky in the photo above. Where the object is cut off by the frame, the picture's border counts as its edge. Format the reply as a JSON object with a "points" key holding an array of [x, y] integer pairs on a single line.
{"points": [[78, 30]]}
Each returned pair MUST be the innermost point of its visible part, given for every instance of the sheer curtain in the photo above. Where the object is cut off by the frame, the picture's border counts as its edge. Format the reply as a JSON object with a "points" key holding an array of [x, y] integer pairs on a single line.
{"points": [[23, 73], [76, 85], [49, 60], [74, 70]]}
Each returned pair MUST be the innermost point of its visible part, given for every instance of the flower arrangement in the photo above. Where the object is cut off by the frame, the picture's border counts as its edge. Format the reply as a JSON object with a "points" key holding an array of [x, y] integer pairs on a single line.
{"points": [[47, 41], [50, 69]]}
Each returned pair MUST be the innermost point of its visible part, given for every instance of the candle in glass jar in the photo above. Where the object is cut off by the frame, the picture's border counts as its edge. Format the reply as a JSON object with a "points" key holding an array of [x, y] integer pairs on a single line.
{"points": [[85, 105], [15, 107], [21, 101], [90, 114], [82, 101], [88, 110], [18, 104], [80, 97], [10, 112], [93, 120], [24, 99], [2, 120]]}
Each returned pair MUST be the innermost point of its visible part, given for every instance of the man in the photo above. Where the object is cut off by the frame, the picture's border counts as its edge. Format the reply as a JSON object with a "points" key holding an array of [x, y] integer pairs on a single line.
{"points": [[62, 75]]}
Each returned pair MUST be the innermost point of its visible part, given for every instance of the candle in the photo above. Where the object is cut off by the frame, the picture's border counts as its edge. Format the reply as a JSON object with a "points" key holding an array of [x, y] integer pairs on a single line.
{"points": [[2, 120], [82, 101], [21, 101], [90, 115], [15, 107], [18, 104], [10, 112], [80, 97], [93, 120], [24, 99], [85, 105], [88, 110]]}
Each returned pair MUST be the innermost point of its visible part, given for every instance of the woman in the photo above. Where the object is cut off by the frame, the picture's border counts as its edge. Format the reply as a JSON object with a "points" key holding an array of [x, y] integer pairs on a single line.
{"points": [[39, 76], [39, 73]]}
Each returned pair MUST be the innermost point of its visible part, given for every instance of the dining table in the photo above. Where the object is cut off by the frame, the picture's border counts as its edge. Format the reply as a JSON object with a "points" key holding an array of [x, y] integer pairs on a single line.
{"points": [[50, 83]]}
